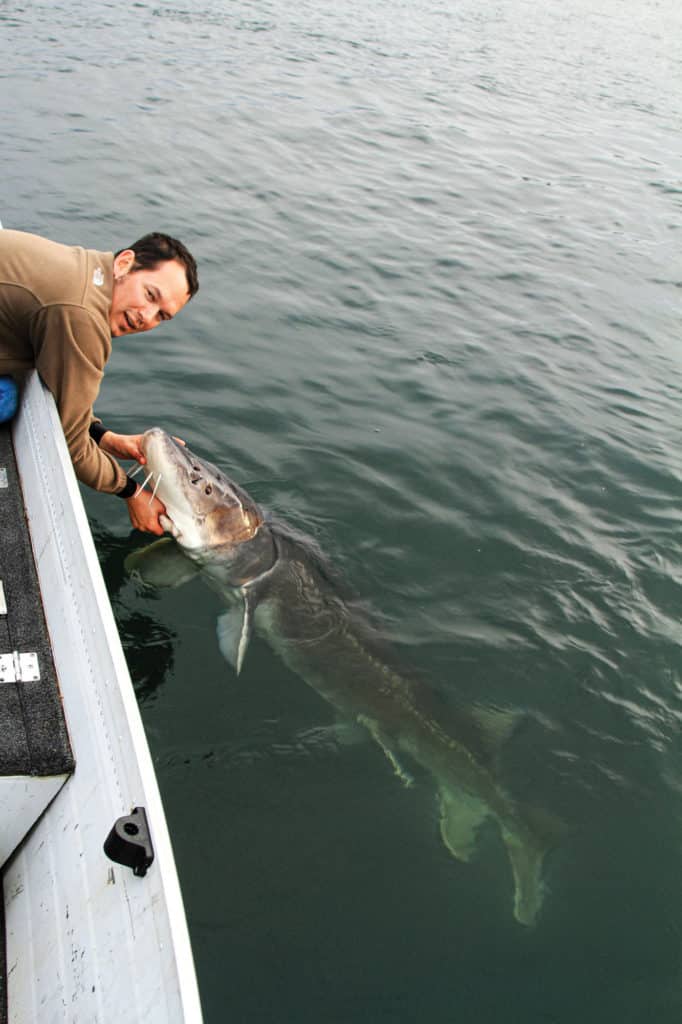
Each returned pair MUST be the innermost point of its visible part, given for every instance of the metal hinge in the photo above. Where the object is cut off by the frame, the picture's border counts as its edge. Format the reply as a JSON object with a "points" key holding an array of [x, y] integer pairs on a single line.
{"points": [[19, 668]]}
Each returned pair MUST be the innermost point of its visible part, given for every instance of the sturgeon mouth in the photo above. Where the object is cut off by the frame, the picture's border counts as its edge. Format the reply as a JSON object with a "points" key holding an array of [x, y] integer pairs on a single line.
{"points": [[146, 480]]}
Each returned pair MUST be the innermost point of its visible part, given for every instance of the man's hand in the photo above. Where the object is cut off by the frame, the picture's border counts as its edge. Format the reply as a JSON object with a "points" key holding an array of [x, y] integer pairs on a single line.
{"points": [[144, 515], [123, 446], [126, 446]]}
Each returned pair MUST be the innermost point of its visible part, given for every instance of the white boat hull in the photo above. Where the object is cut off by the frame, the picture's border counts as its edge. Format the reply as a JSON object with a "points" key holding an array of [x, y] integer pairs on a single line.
{"points": [[87, 940]]}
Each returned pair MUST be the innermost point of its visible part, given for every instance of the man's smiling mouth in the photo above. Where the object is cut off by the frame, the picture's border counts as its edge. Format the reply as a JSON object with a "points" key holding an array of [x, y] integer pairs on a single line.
{"points": [[129, 321]]}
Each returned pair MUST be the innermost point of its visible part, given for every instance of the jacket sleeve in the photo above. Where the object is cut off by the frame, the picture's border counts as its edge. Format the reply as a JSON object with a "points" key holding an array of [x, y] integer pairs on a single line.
{"points": [[70, 353]]}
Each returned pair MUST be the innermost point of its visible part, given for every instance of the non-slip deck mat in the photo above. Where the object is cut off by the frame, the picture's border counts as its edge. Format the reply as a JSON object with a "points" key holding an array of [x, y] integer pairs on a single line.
{"points": [[33, 735]]}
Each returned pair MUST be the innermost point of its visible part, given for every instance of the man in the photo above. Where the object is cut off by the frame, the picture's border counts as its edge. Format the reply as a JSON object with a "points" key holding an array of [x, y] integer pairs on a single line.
{"points": [[60, 306]]}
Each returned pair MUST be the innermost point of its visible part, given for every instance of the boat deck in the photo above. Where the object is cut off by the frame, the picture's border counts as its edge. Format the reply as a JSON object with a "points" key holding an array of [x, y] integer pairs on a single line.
{"points": [[34, 743]]}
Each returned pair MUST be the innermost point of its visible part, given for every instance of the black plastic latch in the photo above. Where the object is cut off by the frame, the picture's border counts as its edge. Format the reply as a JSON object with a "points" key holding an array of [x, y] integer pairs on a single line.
{"points": [[129, 842]]}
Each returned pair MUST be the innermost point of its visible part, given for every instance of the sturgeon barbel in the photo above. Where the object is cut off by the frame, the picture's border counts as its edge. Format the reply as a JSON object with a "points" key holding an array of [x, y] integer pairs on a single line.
{"points": [[274, 582]]}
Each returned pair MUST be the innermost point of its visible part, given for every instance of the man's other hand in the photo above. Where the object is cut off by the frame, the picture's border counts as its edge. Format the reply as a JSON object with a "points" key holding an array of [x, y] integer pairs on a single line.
{"points": [[144, 514]]}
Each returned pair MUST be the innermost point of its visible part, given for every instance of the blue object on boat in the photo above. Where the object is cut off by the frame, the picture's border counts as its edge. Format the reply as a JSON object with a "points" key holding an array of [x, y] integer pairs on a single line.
{"points": [[9, 398]]}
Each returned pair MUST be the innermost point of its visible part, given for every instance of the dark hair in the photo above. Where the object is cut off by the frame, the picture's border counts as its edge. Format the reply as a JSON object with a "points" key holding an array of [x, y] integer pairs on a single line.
{"points": [[155, 248]]}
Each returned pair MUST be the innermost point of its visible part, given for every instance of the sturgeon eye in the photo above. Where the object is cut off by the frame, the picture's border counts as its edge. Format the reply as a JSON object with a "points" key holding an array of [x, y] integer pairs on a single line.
{"points": [[208, 489]]}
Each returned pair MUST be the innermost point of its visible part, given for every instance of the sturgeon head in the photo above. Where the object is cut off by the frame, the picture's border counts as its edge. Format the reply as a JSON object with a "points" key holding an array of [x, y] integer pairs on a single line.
{"points": [[216, 523], [204, 508], [219, 526]]}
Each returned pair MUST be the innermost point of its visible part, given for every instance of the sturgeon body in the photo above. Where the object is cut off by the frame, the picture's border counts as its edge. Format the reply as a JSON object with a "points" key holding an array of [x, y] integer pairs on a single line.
{"points": [[274, 582]]}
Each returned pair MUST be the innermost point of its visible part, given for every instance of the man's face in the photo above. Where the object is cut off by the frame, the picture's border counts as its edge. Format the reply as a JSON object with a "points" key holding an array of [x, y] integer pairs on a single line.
{"points": [[143, 299]]}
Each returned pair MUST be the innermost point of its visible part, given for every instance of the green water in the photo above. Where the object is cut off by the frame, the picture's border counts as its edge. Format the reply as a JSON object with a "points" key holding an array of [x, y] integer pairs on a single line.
{"points": [[438, 331]]}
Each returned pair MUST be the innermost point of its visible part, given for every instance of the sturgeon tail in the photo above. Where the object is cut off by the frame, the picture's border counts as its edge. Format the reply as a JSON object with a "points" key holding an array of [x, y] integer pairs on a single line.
{"points": [[527, 849], [527, 860], [461, 816]]}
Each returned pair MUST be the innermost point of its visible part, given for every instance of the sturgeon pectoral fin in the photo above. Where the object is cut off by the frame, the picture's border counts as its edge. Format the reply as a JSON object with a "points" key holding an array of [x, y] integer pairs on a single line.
{"points": [[161, 564], [234, 630], [460, 818], [383, 741]]}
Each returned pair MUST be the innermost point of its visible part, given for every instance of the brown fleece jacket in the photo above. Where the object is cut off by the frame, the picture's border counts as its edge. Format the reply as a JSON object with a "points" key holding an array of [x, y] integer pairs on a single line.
{"points": [[54, 315]]}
